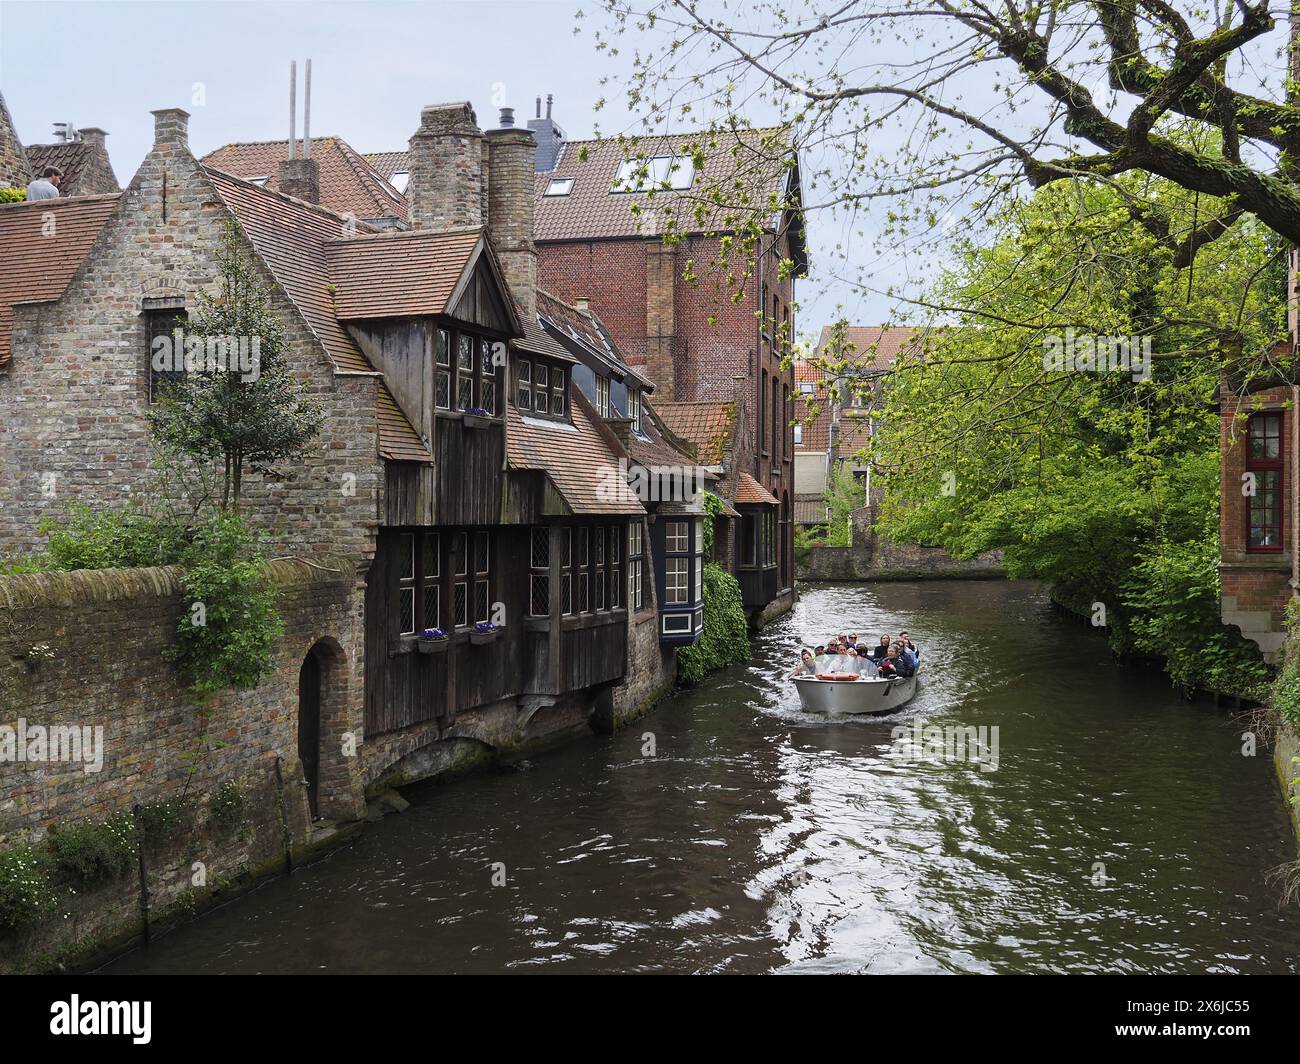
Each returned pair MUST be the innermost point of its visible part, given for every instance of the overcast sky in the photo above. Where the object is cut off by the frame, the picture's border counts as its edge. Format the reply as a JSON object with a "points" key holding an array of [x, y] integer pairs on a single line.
{"points": [[374, 65]]}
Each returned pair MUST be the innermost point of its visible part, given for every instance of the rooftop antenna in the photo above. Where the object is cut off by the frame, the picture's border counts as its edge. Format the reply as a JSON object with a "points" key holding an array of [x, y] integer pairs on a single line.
{"points": [[293, 108], [306, 114]]}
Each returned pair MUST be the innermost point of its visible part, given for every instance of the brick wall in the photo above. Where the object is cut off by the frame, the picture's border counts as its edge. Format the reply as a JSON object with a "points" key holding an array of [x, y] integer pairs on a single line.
{"points": [[106, 631], [14, 169], [1254, 587]]}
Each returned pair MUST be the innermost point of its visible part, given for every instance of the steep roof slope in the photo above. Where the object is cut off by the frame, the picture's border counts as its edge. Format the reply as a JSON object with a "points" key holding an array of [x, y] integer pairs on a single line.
{"points": [[37, 261], [348, 183]]}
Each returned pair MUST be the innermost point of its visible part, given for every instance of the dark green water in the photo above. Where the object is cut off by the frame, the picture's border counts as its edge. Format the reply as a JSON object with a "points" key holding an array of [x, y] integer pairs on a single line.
{"points": [[757, 840]]}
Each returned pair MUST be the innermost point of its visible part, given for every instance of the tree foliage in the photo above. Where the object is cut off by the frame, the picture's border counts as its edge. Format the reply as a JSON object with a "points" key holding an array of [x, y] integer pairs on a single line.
{"points": [[238, 420]]}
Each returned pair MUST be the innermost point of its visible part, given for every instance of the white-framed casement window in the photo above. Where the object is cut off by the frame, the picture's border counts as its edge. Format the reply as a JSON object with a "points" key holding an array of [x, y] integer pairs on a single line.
{"points": [[460, 589], [559, 391], [482, 577], [406, 583], [442, 369], [677, 581], [566, 577], [598, 534], [699, 559], [539, 563], [465, 355], [559, 186], [429, 578], [677, 537], [584, 551], [487, 384], [798, 433], [524, 389], [634, 408], [615, 567], [541, 392], [636, 565], [602, 396]]}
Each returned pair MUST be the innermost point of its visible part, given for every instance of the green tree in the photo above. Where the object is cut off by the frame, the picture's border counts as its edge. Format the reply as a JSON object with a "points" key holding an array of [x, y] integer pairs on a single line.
{"points": [[232, 417]]}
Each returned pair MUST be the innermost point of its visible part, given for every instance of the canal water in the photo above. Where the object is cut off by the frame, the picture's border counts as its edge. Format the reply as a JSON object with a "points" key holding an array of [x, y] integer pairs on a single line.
{"points": [[1121, 831]]}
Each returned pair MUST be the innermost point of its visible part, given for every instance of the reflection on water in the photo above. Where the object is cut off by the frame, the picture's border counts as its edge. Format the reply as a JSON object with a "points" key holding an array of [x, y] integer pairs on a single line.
{"points": [[758, 839]]}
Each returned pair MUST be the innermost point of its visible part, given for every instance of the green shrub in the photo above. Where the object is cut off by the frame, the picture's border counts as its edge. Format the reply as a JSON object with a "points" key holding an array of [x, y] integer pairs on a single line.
{"points": [[165, 821], [112, 539], [97, 851], [725, 639], [227, 635], [26, 887], [227, 811], [12, 195]]}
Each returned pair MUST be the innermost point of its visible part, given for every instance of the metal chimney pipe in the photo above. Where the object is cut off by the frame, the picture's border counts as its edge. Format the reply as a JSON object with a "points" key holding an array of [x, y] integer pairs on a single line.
{"points": [[549, 98], [539, 107], [293, 107], [306, 114]]}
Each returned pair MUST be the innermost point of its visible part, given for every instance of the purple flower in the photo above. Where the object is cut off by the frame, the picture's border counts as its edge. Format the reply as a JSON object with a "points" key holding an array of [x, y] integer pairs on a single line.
{"points": [[433, 633], [485, 626]]}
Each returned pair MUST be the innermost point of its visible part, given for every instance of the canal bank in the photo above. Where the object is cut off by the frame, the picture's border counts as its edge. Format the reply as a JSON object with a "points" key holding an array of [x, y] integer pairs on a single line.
{"points": [[726, 832]]}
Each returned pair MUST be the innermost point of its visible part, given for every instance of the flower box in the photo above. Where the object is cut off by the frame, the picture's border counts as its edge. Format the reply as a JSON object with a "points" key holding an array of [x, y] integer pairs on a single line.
{"points": [[480, 634], [433, 641], [477, 419]]}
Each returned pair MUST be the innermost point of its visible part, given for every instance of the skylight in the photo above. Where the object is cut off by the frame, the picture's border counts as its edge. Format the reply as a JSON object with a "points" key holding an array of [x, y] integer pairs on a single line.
{"points": [[667, 172], [559, 186], [399, 179], [258, 180]]}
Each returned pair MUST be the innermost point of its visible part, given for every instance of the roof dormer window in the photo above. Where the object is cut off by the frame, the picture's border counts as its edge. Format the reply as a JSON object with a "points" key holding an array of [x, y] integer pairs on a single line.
{"points": [[674, 173], [559, 186], [399, 179]]}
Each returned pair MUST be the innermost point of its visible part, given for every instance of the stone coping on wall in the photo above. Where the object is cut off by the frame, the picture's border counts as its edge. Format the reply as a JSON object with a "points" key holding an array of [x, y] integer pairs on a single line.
{"points": [[86, 586]]}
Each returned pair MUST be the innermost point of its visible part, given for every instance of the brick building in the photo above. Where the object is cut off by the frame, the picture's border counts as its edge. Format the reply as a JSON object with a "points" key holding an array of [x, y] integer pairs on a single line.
{"points": [[713, 343], [1259, 522], [459, 470]]}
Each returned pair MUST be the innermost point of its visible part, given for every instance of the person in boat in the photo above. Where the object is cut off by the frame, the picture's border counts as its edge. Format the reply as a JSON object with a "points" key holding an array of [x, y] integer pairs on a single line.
{"points": [[881, 651], [807, 664], [819, 657], [895, 664], [911, 648]]}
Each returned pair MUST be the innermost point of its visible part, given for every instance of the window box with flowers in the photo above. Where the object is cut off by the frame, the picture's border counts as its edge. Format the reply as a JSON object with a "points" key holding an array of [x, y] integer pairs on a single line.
{"points": [[476, 417], [484, 632], [433, 641]]}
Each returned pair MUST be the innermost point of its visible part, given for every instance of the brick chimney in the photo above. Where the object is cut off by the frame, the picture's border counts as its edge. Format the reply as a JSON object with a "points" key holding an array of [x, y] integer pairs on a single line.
{"points": [[510, 208], [550, 137], [96, 177], [445, 189], [300, 178], [171, 128]]}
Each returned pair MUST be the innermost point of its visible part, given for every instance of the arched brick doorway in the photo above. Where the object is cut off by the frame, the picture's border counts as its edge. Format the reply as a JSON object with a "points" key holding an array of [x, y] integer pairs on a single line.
{"points": [[322, 729]]}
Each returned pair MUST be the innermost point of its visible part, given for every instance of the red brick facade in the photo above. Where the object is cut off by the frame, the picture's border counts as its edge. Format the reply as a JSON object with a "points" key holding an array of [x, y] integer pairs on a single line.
{"points": [[696, 343], [1255, 585]]}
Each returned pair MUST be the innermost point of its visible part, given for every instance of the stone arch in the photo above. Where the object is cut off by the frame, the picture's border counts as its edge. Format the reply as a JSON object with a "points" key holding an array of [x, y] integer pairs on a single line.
{"points": [[325, 665]]}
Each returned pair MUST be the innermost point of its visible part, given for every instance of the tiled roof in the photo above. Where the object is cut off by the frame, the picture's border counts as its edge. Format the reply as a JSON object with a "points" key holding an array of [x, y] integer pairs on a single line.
{"points": [[35, 267], [873, 346], [746, 166], [348, 183], [855, 435], [577, 458], [399, 274], [817, 430], [388, 163], [809, 510], [587, 329], [290, 237], [71, 158], [707, 426], [652, 447], [750, 492]]}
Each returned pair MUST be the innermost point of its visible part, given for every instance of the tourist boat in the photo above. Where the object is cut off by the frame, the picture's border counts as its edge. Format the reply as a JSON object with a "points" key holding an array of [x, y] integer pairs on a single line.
{"points": [[875, 696]]}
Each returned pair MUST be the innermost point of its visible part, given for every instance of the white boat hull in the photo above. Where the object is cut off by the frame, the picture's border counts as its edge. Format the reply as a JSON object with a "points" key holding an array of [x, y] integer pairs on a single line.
{"points": [[875, 697]]}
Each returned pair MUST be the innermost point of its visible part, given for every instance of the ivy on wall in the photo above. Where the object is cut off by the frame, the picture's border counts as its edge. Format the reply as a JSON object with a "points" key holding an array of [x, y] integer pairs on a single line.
{"points": [[725, 639]]}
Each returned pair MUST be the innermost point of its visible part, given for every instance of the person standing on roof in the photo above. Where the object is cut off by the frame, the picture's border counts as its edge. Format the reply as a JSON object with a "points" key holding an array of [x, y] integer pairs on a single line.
{"points": [[47, 185]]}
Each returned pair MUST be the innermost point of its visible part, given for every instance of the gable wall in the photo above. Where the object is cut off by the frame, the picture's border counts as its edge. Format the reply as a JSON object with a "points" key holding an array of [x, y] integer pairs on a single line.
{"points": [[74, 399]]}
